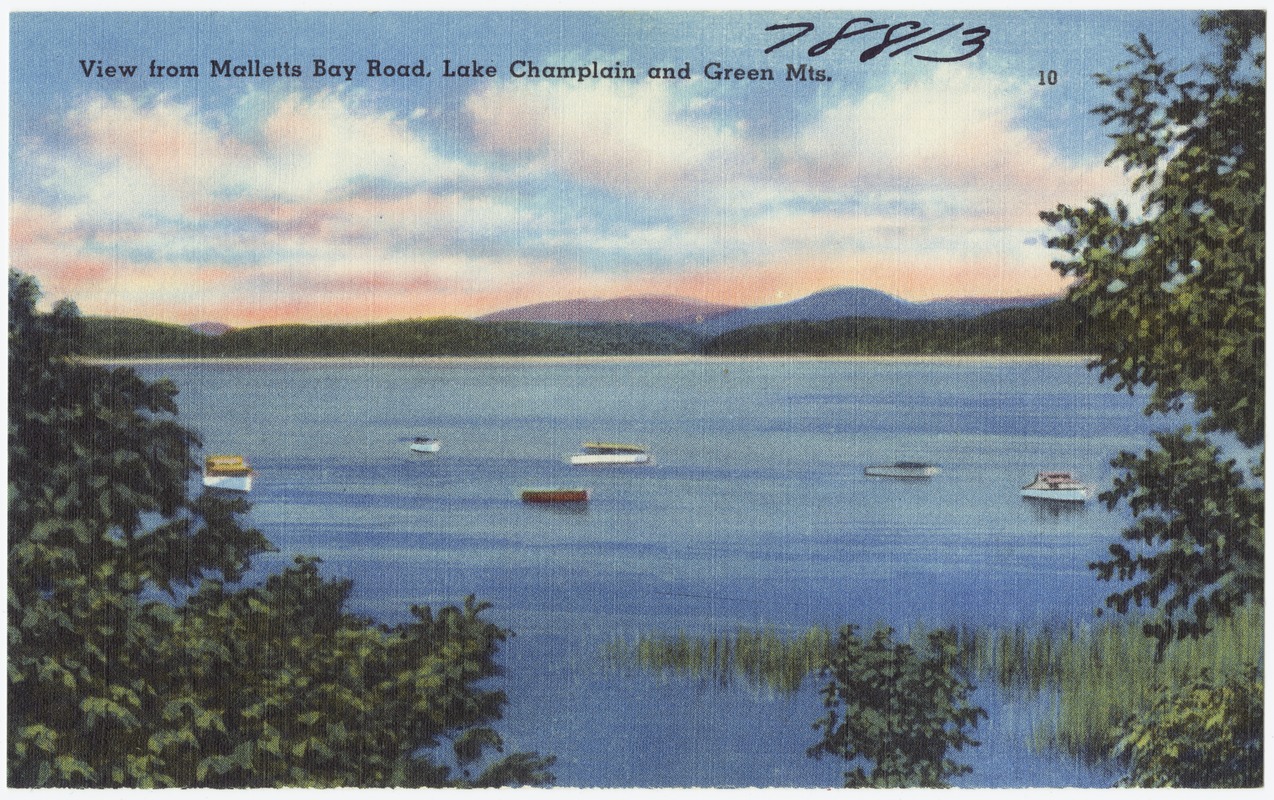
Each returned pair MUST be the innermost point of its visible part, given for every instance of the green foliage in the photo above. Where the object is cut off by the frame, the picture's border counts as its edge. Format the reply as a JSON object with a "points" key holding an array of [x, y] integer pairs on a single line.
{"points": [[130, 662], [304, 694], [1205, 734], [1199, 533], [1094, 677], [898, 707], [1179, 291], [1051, 329], [1180, 287], [1097, 676]]}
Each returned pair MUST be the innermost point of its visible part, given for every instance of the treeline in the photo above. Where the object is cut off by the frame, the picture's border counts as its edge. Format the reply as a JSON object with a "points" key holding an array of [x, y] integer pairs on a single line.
{"points": [[131, 338], [1043, 330], [1053, 329]]}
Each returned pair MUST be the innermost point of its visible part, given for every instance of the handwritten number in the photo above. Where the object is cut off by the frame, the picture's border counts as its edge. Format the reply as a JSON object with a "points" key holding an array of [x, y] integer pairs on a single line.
{"points": [[937, 35], [974, 38], [977, 36], [890, 41], [806, 26], [844, 33]]}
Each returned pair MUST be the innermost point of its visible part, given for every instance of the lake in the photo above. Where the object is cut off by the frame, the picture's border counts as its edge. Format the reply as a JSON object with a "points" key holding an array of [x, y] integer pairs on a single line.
{"points": [[756, 513]]}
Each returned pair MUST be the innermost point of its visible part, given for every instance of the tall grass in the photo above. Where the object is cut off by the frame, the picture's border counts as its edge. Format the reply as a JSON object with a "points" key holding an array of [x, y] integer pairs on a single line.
{"points": [[761, 659], [1099, 675], [1094, 676]]}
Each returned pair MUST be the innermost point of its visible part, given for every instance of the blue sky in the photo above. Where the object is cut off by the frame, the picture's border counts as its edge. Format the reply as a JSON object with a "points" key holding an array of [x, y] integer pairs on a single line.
{"points": [[314, 199]]}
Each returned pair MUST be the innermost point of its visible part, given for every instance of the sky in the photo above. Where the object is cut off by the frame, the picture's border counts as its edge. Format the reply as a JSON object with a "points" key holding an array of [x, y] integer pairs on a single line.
{"points": [[267, 199]]}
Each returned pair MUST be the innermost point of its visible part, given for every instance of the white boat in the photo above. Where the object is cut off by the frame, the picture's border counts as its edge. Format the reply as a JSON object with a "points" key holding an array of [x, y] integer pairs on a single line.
{"points": [[903, 469], [609, 453], [227, 472], [1058, 486], [426, 444]]}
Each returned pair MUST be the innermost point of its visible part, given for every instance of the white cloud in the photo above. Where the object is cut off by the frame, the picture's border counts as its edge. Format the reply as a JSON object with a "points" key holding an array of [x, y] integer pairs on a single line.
{"points": [[630, 136]]}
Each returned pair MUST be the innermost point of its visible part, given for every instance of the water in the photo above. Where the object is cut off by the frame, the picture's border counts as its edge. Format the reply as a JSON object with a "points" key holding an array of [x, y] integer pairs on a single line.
{"points": [[757, 513]]}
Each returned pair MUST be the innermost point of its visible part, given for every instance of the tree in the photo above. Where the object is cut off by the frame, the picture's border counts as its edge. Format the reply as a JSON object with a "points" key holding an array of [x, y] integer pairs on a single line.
{"points": [[1205, 734], [1176, 296], [131, 662], [898, 708]]}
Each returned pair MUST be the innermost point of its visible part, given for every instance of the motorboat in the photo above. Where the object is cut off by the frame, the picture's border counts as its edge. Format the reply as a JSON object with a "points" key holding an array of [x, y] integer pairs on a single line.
{"points": [[425, 444], [903, 469], [610, 453], [227, 472], [554, 495], [1058, 486]]}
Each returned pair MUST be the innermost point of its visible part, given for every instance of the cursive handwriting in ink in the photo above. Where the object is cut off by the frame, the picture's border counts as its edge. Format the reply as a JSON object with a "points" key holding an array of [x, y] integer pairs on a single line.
{"points": [[897, 38]]}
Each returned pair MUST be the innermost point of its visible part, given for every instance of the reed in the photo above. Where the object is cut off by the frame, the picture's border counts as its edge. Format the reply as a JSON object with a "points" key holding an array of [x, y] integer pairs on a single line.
{"points": [[1099, 676], [760, 658], [1087, 678]]}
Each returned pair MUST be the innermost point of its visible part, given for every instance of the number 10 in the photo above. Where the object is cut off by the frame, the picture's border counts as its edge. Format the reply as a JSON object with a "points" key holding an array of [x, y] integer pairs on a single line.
{"points": [[1048, 78]]}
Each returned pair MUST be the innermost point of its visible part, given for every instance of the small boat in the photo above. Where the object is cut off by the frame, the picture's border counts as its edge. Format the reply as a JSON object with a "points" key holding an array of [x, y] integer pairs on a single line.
{"points": [[608, 453], [227, 472], [558, 495], [1057, 486], [903, 469], [426, 444]]}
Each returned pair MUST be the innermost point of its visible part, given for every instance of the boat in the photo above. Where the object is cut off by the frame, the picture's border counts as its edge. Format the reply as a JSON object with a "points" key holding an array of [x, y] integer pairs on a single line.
{"points": [[610, 453], [555, 495], [227, 472], [1057, 486], [426, 444], [903, 469]]}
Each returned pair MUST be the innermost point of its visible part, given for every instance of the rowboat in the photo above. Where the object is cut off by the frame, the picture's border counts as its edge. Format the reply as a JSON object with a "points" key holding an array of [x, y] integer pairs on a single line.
{"points": [[1057, 486], [555, 495], [903, 469], [227, 472], [610, 453], [426, 444]]}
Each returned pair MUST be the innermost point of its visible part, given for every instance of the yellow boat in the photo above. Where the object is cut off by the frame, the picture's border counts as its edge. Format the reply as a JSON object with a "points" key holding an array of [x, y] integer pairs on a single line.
{"points": [[230, 472]]}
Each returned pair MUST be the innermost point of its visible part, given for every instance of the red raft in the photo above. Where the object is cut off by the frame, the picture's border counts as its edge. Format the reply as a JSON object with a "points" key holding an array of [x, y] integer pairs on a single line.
{"points": [[554, 495]]}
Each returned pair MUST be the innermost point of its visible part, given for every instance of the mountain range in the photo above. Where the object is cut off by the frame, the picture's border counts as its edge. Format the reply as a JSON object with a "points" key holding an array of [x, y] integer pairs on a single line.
{"points": [[711, 319], [637, 309]]}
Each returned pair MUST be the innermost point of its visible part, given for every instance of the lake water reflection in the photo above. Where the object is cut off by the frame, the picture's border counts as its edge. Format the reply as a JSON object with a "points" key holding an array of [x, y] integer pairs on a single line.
{"points": [[757, 513]]}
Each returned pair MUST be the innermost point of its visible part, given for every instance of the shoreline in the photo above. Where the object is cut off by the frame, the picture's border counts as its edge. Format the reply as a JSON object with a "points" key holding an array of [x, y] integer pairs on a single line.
{"points": [[566, 359]]}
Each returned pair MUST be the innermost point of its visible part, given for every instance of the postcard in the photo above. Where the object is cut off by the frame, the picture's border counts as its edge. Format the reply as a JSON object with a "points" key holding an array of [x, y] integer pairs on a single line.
{"points": [[803, 399]]}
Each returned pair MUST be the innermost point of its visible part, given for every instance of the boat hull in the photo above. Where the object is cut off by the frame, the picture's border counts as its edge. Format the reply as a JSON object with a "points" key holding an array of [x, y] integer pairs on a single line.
{"points": [[233, 483], [426, 447], [1080, 495], [901, 471], [609, 458], [554, 495]]}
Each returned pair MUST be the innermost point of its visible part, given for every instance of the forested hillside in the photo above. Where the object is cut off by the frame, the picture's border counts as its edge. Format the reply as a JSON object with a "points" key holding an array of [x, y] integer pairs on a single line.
{"points": [[1052, 329], [125, 338], [1044, 330]]}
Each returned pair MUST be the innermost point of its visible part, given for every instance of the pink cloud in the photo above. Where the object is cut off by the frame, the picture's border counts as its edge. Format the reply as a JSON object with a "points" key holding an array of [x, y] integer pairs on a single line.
{"points": [[166, 140]]}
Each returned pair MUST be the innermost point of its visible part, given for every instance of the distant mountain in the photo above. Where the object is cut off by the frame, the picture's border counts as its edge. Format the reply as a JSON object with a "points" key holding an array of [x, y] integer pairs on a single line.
{"points": [[669, 310], [856, 301], [959, 307], [211, 328], [852, 301]]}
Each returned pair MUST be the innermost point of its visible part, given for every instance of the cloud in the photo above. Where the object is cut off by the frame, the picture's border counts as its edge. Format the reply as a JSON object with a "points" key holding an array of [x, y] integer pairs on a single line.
{"points": [[626, 136], [284, 207]]}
